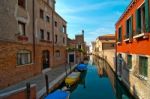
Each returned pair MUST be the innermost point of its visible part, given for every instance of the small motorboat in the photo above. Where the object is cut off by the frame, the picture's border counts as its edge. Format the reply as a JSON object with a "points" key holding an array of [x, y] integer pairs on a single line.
{"points": [[72, 78], [81, 67], [58, 94]]}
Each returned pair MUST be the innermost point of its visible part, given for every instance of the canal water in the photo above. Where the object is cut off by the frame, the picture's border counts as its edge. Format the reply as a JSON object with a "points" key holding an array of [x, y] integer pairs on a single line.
{"points": [[100, 83]]}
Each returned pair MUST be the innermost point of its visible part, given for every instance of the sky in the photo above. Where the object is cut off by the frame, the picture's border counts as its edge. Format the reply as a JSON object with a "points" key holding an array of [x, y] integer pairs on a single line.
{"points": [[95, 17]]}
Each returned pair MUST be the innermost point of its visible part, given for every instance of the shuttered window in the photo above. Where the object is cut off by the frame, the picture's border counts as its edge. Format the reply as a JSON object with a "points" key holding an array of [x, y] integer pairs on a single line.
{"points": [[120, 34], [143, 66], [141, 20], [129, 28], [147, 15], [129, 61]]}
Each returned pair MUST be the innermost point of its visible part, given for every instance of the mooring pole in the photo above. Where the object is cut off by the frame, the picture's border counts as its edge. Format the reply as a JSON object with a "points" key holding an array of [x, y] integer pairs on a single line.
{"points": [[47, 85], [70, 66], [66, 68], [28, 90]]}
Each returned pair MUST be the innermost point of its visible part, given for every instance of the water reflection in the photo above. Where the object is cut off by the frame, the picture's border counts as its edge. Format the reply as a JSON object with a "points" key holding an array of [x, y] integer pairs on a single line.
{"points": [[104, 70]]}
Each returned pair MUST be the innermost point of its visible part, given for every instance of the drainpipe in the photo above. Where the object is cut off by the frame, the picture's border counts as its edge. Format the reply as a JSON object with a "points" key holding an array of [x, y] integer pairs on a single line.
{"points": [[33, 31], [116, 63], [53, 30]]}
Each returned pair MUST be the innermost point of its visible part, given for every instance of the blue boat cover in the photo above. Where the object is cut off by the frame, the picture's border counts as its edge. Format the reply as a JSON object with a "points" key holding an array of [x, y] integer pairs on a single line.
{"points": [[58, 94], [82, 67]]}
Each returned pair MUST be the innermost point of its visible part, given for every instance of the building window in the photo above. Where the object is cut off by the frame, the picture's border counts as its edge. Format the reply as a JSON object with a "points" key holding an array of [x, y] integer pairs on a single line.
{"points": [[47, 19], [129, 61], [79, 46], [64, 29], [56, 38], [42, 34], [41, 14], [143, 66], [57, 53], [64, 40], [129, 28], [23, 57], [21, 3], [21, 27], [140, 19], [55, 24], [48, 35], [120, 34]]}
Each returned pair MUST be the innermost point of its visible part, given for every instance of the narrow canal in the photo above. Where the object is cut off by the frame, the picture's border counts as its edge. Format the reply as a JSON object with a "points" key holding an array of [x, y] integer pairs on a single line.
{"points": [[100, 83]]}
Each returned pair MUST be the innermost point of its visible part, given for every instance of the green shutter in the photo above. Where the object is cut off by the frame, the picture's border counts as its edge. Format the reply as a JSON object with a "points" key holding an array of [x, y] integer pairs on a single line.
{"points": [[138, 20], [126, 35], [147, 16], [131, 27]]}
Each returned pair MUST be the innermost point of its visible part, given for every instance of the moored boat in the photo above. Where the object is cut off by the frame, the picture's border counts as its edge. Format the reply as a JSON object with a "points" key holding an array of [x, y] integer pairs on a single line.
{"points": [[81, 67], [58, 94], [72, 78]]}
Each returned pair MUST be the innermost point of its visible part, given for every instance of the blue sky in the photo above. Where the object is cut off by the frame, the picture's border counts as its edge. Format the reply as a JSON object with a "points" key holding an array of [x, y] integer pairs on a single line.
{"points": [[95, 17]]}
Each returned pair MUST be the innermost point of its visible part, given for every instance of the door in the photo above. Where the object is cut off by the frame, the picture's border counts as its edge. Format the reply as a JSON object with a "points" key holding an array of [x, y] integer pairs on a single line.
{"points": [[45, 59], [71, 58]]}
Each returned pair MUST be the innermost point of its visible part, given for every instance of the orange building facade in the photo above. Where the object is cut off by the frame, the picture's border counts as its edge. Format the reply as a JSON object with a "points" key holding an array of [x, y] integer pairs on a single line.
{"points": [[133, 48]]}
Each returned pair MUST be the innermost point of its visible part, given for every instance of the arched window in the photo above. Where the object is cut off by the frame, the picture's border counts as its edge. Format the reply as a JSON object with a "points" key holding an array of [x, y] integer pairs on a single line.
{"points": [[23, 57]]}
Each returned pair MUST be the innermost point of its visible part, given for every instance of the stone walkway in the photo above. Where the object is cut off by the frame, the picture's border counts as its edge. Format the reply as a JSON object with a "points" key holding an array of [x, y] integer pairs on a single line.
{"points": [[54, 76]]}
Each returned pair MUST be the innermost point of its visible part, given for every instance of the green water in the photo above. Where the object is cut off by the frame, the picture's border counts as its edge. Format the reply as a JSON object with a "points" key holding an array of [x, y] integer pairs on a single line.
{"points": [[104, 86]]}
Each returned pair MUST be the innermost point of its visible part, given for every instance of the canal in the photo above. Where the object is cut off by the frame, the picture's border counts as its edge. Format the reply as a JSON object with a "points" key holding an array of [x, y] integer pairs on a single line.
{"points": [[100, 83]]}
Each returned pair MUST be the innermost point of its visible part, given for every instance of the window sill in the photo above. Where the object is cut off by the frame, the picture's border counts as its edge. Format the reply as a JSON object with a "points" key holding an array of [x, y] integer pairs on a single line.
{"points": [[144, 35], [141, 77], [126, 40], [118, 43], [25, 65], [46, 41], [22, 38]]}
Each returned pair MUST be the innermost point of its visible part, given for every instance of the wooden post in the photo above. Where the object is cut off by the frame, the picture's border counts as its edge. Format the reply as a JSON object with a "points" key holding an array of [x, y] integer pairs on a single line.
{"points": [[28, 90], [70, 66], [47, 85], [66, 69]]}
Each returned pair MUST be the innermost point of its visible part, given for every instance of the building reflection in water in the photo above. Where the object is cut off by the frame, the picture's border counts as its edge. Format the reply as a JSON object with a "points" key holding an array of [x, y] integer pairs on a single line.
{"points": [[104, 70]]}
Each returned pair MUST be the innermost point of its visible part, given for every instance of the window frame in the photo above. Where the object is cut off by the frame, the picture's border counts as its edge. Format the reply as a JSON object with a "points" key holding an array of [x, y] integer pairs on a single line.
{"points": [[120, 34], [129, 61], [20, 57], [141, 63], [22, 3], [42, 34], [42, 14], [24, 28]]}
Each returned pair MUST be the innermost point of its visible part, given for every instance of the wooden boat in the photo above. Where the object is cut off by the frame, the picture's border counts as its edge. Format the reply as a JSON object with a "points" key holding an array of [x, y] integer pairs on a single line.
{"points": [[72, 78]]}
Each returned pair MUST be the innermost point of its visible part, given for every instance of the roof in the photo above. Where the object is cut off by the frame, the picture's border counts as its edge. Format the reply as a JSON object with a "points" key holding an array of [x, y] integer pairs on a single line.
{"points": [[107, 37], [128, 7]]}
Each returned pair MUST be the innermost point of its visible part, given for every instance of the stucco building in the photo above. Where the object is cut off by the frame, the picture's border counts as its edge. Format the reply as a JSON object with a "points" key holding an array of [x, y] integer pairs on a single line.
{"points": [[133, 48], [32, 39], [104, 47]]}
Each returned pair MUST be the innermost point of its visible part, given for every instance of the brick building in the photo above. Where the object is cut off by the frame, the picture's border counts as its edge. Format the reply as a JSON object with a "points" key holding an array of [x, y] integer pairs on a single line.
{"points": [[32, 39], [133, 48], [76, 48], [104, 47]]}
